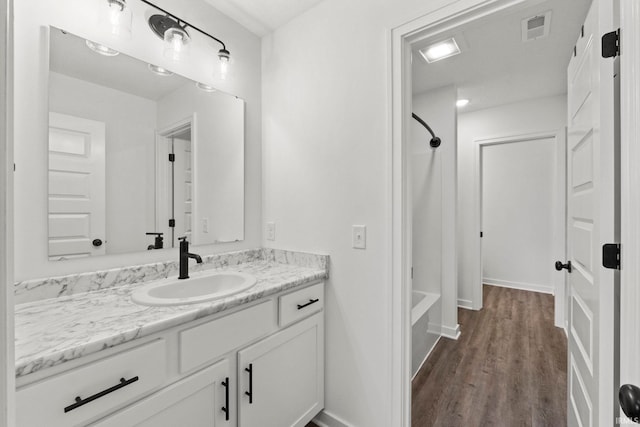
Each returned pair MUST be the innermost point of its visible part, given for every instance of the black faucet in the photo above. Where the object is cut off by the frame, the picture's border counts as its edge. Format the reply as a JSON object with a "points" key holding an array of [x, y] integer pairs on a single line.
{"points": [[184, 258], [158, 242]]}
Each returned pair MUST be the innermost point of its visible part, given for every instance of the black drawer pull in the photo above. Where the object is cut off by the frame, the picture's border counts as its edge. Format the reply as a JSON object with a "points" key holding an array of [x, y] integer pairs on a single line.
{"points": [[311, 301], [80, 401], [250, 392], [225, 408]]}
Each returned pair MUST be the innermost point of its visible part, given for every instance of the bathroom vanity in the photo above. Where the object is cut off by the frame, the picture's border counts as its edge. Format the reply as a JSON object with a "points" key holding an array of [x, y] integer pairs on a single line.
{"points": [[255, 358]]}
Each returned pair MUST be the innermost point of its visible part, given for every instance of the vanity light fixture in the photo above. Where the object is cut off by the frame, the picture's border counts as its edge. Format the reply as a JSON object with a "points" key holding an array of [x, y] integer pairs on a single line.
{"points": [[441, 50], [160, 71], [205, 87], [461, 102], [173, 31], [101, 49], [119, 18]]}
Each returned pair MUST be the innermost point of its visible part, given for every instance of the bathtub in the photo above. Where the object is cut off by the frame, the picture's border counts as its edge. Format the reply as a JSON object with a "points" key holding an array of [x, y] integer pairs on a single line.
{"points": [[425, 327]]}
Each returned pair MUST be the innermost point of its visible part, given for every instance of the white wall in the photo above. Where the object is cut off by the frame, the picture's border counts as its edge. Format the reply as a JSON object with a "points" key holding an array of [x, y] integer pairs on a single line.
{"points": [[528, 117], [426, 184], [327, 166], [32, 18], [518, 182], [130, 123]]}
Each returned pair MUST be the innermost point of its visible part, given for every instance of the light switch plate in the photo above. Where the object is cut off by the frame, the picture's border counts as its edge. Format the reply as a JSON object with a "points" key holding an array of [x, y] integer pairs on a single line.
{"points": [[271, 231], [360, 236], [205, 225]]}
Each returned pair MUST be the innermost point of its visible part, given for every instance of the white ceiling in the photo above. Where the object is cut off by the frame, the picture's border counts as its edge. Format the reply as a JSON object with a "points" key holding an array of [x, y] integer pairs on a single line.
{"points": [[71, 56], [262, 16], [496, 67]]}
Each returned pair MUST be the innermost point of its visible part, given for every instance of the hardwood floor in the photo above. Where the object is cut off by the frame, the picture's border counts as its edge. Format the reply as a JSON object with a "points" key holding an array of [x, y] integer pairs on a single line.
{"points": [[508, 368]]}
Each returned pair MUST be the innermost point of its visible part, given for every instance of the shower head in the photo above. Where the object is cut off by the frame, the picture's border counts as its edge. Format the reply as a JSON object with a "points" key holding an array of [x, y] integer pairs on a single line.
{"points": [[435, 141]]}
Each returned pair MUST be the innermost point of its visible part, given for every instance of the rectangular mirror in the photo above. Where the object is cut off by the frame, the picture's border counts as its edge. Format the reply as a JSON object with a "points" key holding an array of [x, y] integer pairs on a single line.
{"points": [[138, 156]]}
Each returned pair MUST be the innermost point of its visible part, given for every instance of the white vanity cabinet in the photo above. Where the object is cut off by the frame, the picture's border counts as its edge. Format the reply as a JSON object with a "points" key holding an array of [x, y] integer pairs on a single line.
{"points": [[262, 365], [282, 377], [200, 400]]}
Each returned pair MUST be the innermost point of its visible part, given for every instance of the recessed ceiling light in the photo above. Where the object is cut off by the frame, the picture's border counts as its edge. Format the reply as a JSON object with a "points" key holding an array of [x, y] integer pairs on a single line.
{"points": [[205, 87], [461, 102], [159, 70], [101, 49], [441, 50]]}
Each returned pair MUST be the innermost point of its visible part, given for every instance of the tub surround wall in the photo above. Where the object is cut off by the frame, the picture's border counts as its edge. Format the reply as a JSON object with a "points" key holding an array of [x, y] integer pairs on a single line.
{"points": [[53, 287], [52, 331]]}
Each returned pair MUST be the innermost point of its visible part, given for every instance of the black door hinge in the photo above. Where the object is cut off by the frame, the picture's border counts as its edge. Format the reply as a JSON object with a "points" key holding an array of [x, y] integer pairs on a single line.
{"points": [[172, 223], [412, 272], [611, 255], [611, 44], [481, 234], [172, 157]]}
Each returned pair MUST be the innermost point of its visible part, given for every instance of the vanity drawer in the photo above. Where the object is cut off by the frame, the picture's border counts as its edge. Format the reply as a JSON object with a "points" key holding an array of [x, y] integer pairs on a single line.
{"points": [[300, 304], [98, 384], [204, 343]]}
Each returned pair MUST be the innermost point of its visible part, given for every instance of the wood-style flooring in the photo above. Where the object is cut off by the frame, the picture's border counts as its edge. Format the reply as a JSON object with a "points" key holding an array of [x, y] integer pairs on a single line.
{"points": [[508, 368]]}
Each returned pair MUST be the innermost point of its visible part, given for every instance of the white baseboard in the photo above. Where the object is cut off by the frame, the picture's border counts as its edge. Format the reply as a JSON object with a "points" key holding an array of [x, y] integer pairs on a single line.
{"points": [[452, 333], [532, 287], [327, 419], [465, 303], [426, 357]]}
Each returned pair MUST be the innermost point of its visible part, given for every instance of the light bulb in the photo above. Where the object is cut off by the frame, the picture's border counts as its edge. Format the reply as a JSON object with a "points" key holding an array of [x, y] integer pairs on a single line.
{"points": [[159, 70], [176, 43], [101, 49], [225, 58], [205, 87], [119, 19]]}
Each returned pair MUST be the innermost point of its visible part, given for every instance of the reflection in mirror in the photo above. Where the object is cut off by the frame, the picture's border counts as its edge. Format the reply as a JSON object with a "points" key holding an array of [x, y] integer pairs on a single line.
{"points": [[138, 156]]}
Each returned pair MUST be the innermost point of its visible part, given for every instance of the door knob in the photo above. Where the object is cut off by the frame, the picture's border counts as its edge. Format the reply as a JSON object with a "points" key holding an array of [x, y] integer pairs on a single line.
{"points": [[629, 396], [97, 243], [560, 266]]}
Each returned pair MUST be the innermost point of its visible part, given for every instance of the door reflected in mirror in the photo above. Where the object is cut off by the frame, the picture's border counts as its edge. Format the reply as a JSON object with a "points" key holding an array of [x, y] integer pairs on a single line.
{"points": [[138, 156]]}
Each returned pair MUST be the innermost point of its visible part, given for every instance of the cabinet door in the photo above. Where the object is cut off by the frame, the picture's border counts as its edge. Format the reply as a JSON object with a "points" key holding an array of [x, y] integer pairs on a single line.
{"points": [[281, 378], [196, 401]]}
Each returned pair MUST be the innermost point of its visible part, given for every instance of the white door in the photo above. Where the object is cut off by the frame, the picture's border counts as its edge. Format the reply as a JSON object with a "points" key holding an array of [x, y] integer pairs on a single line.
{"points": [[281, 377], [76, 187], [591, 223]]}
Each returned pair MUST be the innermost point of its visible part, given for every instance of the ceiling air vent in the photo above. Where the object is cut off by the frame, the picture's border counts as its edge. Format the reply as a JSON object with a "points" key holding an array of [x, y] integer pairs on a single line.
{"points": [[536, 27]]}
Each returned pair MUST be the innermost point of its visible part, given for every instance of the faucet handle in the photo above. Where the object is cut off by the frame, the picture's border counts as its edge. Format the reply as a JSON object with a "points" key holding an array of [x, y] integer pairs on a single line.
{"points": [[183, 238]]}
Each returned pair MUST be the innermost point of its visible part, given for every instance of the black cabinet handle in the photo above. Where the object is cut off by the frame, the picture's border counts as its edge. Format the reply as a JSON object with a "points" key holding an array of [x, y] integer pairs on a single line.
{"points": [[97, 243], [80, 401], [250, 392], [311, 301], [629, 396], [225, 408], [560, 266]]}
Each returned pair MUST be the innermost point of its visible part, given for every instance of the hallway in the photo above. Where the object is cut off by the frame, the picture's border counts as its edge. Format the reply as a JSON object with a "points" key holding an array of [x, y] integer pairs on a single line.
{"points": [[508, 367]]}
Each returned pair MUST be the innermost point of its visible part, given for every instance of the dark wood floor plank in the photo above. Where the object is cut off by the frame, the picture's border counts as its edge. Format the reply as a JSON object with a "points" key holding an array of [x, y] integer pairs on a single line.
{"points": [[507, 369]]}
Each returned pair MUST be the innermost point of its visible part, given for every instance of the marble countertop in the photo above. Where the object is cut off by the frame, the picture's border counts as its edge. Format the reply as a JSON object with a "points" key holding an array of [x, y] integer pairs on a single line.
{"points": [[55, 330]]}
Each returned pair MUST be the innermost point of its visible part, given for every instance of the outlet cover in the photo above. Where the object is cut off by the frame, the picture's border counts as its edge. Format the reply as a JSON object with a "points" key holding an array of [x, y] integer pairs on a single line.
{"points": [[271, 231], [359, 236]]}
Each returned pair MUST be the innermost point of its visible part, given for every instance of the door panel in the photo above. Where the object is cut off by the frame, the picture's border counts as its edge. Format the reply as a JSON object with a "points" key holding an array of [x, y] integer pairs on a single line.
{"points": [[591, 220], [76, 186]]}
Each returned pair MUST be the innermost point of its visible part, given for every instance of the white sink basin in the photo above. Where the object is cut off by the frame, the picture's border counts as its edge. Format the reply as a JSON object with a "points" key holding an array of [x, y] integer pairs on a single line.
{"points": [[201, 287]]}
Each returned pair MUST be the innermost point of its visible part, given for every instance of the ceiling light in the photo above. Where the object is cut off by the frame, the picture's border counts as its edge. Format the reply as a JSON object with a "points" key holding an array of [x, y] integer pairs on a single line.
{"points": [[461, 102], [205, 87], [225, 59], [119, 18], [175, 36], [160, 71], [101, 49], [440, 50]]}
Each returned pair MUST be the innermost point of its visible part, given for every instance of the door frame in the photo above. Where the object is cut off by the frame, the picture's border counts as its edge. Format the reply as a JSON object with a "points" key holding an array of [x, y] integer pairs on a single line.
{"points": [[558, 206], [630, 192], [400, 226], [162, 171], [7, 358]]}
